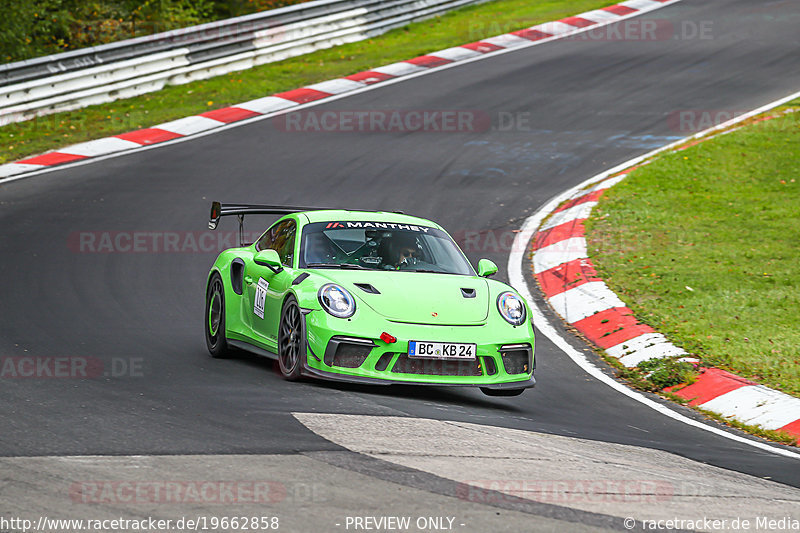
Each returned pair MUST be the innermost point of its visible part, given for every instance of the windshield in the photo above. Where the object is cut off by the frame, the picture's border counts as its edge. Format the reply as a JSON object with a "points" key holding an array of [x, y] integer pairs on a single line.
{"points": [[381, 246]]}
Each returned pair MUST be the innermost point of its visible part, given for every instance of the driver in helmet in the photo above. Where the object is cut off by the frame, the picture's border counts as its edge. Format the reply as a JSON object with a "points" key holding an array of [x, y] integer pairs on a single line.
{"points": [[406, 252]]}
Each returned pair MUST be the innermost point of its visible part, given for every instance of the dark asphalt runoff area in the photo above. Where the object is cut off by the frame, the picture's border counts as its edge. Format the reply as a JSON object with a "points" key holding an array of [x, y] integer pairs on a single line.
{"points": [[578, 107]]}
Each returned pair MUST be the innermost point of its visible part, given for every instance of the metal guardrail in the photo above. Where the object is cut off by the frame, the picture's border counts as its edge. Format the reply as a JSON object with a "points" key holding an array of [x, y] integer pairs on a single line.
{"points": [[128, 68]]}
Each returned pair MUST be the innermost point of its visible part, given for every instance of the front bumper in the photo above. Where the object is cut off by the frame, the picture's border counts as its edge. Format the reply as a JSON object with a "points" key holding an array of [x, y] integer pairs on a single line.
{"points": [[368, 359], [336, 376]]}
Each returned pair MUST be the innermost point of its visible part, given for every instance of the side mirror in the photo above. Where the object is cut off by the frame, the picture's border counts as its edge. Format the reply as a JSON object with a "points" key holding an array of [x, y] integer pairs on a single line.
{"points": [[270, 259], [486, 268]]}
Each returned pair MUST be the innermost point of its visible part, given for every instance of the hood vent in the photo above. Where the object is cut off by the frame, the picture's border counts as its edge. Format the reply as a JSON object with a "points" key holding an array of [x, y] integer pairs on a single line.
{"points": [[366, 287], [468, 293]]}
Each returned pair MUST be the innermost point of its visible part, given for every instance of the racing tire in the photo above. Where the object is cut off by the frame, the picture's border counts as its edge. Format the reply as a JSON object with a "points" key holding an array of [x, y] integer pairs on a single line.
{"points": [[501, 392], [291, 340], [215, 319]]}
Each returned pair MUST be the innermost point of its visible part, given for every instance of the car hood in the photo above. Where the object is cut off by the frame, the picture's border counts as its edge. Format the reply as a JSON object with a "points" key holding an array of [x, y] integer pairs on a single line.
{"points": [[417, 297]]}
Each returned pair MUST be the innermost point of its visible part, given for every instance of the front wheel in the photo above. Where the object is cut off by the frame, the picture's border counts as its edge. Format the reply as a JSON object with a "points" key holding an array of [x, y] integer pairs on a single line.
{"points": [[501, 392], [291, 340], [215, 318]]}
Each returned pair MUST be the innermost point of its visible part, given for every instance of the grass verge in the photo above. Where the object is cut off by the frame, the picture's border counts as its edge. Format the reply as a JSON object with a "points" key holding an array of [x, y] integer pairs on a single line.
{"points": [[641, 377], [458, 27], [776, 436], [703, 244]]}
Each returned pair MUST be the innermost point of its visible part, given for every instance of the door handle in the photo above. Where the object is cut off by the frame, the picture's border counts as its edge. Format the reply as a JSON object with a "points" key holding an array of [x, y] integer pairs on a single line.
{"points": [[248, 280]]}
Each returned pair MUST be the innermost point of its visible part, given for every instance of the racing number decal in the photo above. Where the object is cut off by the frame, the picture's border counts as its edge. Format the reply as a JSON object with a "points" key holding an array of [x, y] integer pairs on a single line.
{"points": [[261, 297]]}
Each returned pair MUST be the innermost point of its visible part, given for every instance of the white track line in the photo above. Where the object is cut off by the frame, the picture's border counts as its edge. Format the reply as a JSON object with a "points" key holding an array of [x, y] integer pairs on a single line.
{"points": [[517, 261]]}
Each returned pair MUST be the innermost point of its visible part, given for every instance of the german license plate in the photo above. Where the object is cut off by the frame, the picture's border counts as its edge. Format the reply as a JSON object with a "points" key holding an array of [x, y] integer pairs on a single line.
{"points": [[441, 350]]}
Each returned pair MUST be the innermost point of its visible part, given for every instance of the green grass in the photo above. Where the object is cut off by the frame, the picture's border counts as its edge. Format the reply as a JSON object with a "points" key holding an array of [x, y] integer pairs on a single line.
{"points": [[643, 380], [458, 27], [646, 376], [703, 244]]}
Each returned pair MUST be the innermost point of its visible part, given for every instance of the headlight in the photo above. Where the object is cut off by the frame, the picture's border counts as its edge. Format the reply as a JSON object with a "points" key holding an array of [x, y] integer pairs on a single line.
{"points": [[337, 301], [512, 308]]}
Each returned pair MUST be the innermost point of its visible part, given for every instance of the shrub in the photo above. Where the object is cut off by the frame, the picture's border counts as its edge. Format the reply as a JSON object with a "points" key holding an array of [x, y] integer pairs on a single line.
{"points": [[31, 28], [667, 372]]}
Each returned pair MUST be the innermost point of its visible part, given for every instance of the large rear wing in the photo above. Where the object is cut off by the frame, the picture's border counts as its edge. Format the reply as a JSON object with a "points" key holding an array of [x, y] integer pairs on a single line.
{"points": [[240, 210]]}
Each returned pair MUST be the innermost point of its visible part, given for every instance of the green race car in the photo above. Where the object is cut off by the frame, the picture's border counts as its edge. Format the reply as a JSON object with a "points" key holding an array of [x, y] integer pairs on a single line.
{"points": [[368, 297]]}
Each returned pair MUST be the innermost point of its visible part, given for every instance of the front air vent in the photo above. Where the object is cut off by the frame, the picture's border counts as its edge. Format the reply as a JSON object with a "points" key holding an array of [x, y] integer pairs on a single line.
{"points": [[383, 362], [350, 355], [347, 352], [437, 367], [366, 287], [491, 369], [517, 358], [468, 293]]}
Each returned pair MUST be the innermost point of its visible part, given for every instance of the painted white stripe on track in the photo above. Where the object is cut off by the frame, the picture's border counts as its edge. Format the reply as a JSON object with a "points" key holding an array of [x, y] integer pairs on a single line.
{"points": [[456, 53], [641, 5], [10, 169], [757, 405], [584, 301], [506, 41], [657, 351], [448, 449], [337, 86], [106, 145], [607, 184], [576, 212], [559, 253], [635, 344], [399, 69], [268, 104], [554, 28], [190, 125], [599, 15]]}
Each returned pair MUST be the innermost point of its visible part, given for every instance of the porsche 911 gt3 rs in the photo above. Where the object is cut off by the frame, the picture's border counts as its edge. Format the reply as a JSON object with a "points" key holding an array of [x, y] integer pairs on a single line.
{"points": [[370, 297]]}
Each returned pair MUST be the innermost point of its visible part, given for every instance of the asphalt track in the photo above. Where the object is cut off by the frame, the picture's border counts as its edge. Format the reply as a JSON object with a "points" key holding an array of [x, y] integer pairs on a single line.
{"points": [[589, 106]]}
